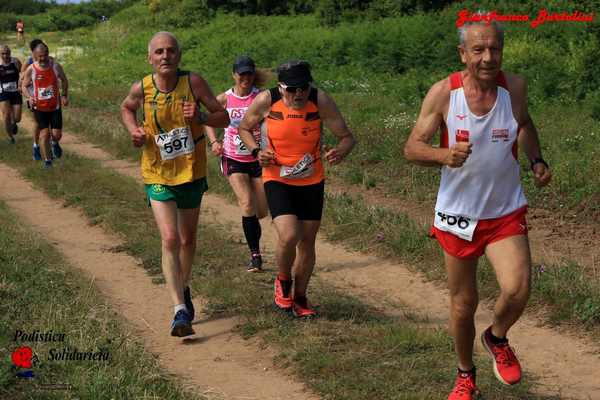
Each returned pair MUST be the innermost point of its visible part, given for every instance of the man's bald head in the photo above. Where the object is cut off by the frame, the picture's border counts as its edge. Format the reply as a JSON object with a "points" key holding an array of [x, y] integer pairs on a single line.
{"points": [[160, 36]]}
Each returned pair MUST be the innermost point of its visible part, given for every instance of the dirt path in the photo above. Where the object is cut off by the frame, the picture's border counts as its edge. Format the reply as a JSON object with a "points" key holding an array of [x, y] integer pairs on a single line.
{"points": [[216, 363], [563, 364]]}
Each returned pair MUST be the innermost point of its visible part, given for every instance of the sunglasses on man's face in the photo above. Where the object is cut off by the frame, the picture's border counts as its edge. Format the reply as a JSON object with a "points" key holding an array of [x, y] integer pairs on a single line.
{"points": [[294, 89]]}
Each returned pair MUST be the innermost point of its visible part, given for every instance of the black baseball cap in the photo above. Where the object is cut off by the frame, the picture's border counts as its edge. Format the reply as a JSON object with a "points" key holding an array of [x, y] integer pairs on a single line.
{"points": [[294, 73], [243, 64]]}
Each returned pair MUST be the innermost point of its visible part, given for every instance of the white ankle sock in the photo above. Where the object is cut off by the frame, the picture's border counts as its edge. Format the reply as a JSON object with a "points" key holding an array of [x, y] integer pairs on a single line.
{"points": [[179, 307]]}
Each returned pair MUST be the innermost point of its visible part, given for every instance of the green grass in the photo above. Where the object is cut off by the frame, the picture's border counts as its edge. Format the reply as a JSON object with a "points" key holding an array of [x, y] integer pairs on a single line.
{"points": [[350, 352], [39, 291]]}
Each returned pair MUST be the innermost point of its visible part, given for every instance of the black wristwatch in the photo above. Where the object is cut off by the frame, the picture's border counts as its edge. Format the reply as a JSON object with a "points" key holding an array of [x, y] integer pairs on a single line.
{"points": [[538, 160], [255, 152]]}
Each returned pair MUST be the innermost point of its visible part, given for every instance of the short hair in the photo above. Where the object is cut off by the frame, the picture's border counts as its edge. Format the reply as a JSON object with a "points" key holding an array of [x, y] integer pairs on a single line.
{"points": [[462, 31], [34, 43], [41, 46], [164, 33], [4, 47]]}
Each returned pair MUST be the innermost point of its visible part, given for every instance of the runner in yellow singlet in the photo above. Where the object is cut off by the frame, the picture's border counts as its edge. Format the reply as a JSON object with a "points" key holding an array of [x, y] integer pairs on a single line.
{"points": [[173, 160]]}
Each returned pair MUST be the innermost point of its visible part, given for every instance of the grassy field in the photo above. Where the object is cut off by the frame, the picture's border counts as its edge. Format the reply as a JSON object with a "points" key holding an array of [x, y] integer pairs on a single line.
{"points": [[39, 291], [334, 355]]}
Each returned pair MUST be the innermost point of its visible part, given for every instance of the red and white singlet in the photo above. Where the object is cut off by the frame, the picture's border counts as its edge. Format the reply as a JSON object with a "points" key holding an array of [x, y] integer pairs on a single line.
{"points": [[488, 185], [45, 88]]}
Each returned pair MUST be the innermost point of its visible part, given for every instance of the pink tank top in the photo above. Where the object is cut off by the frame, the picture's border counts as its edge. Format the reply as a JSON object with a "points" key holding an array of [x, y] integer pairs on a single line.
{"points": [[236, 106]]}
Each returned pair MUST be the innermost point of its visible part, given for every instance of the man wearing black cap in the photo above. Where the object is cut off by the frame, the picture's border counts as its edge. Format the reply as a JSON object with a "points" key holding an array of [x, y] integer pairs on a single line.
{"points": [[293, 172]]}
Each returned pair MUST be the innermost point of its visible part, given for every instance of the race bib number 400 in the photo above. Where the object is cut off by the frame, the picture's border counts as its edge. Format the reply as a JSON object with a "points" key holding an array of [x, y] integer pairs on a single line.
{"points": [[175, 143], [302, 169], [460, 226]]}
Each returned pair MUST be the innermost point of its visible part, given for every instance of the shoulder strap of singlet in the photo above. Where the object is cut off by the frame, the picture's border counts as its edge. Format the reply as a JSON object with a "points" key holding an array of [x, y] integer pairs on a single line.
{"points": [[501, 80], [455, 80], [313, 96], [275, 95]]}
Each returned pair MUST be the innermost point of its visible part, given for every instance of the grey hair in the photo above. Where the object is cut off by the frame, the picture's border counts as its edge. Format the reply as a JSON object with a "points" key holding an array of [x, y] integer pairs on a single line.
{"points": [[482, 20], [4, 47], [164, 33]]}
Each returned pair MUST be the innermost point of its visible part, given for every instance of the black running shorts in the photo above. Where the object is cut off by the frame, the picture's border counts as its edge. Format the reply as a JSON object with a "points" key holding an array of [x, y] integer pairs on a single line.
{"points": [[305, 202], [230, 166], [46, 119]]}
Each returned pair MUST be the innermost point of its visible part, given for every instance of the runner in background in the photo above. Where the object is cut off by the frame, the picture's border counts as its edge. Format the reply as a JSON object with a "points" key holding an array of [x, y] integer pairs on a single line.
{"points": [[47, 100], [37, 155], [173, 161], [237, 164], [20, 27], [482, 114], [10, 98]]}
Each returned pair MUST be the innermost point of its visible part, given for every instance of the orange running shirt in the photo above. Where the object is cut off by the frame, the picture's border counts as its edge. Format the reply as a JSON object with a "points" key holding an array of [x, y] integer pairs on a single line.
{"points": [[294, 135], [45, 88]]}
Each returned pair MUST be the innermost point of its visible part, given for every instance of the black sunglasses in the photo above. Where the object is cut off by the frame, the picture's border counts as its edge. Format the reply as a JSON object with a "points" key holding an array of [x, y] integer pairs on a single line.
{"points": [[294, 89]]}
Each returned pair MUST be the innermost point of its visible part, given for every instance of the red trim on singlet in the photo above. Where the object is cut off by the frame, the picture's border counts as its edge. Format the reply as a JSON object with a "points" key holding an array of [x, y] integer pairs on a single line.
{"points": [[501, 80], [443, 135], [455, 80]]}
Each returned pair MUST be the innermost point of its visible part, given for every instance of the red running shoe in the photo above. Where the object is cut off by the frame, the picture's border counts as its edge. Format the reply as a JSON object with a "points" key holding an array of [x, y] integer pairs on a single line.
{"points": [[284, 303], [303, 309], [464, 387], [506, 366]]}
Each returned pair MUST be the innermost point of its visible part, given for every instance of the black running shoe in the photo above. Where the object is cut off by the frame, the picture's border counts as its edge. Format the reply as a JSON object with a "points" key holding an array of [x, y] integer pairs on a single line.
{"points": [[255, 264], [182, 324]]}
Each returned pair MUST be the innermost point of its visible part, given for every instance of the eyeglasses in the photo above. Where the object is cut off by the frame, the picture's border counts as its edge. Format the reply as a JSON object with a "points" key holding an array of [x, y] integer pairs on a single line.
{"points": [[294, 89]]}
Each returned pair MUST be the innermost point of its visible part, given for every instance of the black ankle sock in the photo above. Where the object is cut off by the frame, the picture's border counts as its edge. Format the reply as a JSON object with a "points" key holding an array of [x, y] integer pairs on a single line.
{"points": [[286, 287], [301, 300], [253, 232], [497, 340], [471, 371]]}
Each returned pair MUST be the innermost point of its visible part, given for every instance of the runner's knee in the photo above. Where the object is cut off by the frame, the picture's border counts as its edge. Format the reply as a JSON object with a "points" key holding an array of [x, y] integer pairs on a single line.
{"points": [[289, 238], [187, 239], [170, 241], [463, 307]]}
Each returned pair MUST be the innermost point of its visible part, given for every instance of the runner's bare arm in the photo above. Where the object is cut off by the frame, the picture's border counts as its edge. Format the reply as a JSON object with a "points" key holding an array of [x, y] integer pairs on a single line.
{"points": [[213, 140], [527, 135], [418, 148], [18, 63], [129, 107], [26, 82], [64, 82], [258, 110], [334, 121], [217, 116]]}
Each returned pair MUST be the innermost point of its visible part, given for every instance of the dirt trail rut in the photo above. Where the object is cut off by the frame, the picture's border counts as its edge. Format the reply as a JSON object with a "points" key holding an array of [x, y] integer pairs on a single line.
{"points": [[216, 362], [563, 364]]}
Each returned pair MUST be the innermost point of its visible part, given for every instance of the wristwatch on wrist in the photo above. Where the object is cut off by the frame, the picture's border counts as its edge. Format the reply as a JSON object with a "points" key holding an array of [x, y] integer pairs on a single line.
{"points": [[255, 152], [538, 160]]}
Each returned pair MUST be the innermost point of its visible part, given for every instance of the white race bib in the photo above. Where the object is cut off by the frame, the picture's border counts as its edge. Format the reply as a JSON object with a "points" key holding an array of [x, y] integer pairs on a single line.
{"points": [[302, 169], [9, 87], [45, 93], [175, 143], [240, 147], [460, 226]]}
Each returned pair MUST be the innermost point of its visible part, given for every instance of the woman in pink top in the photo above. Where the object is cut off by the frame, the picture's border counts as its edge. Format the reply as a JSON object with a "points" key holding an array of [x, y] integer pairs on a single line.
{"points": [[237, 163]]}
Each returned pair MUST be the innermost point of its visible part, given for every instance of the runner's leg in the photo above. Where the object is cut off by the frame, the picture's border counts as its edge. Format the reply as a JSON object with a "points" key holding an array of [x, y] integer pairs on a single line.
{"points": [[260, 200], [7, 117], [462, 284], [289, 233], [165, 214], [305, 256], [187, 224], [511, 260]]}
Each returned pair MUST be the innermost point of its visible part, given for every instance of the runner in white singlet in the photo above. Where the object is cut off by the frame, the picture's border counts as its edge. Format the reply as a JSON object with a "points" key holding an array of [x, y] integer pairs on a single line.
{"points": [[237, 163], [483, 117]]}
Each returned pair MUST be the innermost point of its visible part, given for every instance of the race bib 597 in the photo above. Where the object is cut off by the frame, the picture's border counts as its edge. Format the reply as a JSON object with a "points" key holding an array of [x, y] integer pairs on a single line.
{"points": [[175, 143]]}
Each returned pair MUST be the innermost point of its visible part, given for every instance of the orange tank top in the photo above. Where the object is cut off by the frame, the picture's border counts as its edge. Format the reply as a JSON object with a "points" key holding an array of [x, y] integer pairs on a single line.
{"points": [[295, 138], [45, 88]]}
